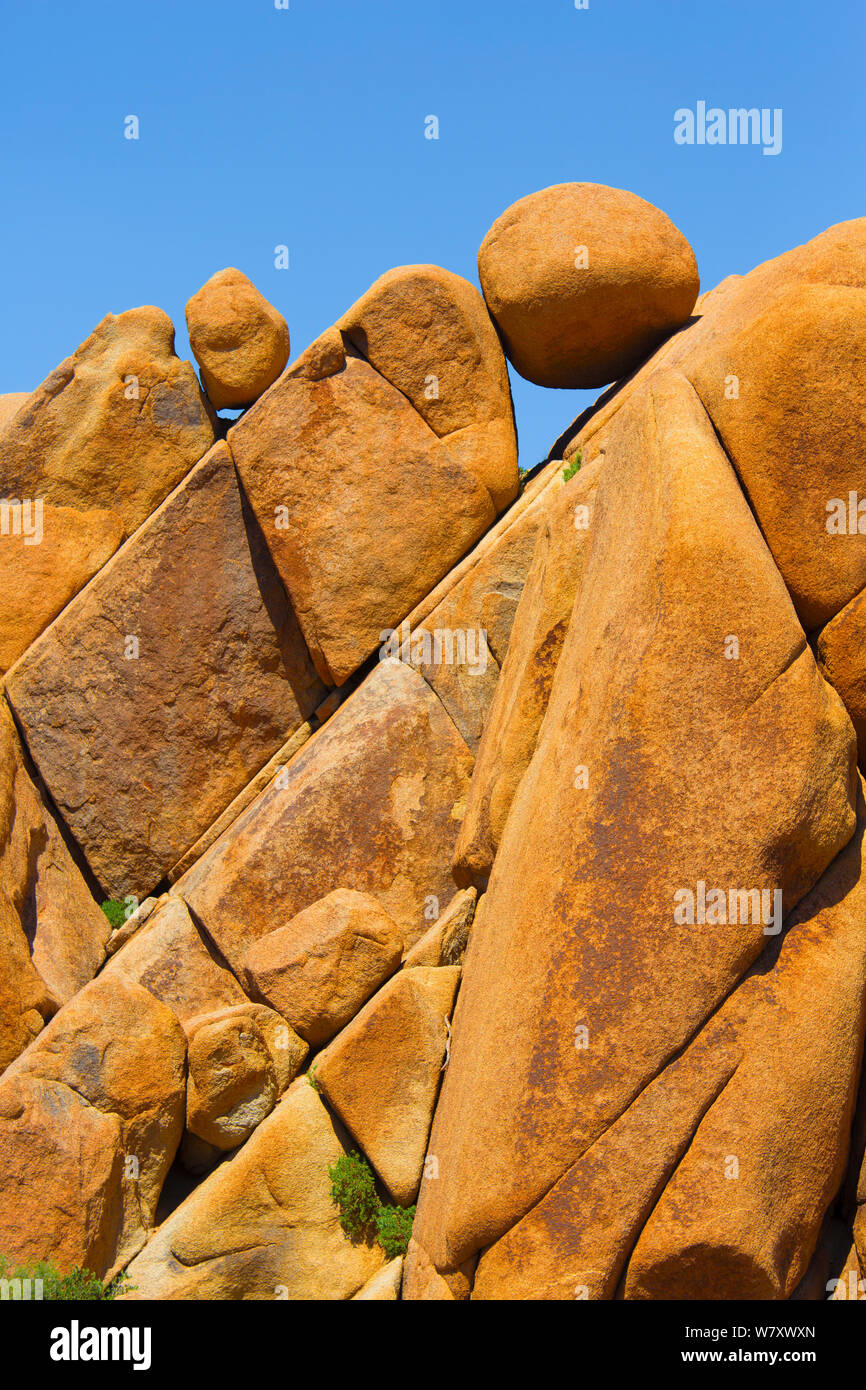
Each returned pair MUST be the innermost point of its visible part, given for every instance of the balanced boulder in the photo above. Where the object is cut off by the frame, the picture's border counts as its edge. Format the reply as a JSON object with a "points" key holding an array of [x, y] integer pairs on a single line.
{"points": [[240, 341], [584, 282]]}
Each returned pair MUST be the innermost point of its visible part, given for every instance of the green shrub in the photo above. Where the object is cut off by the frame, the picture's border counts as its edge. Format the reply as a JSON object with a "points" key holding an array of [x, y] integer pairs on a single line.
{"points": [[574, 466], [393, 1229], [115, 911], [79, 1285], [353, 1189]]}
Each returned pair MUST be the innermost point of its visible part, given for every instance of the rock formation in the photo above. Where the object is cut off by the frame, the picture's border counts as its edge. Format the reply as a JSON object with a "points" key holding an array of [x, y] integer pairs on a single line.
{"points": [[421, 882]]}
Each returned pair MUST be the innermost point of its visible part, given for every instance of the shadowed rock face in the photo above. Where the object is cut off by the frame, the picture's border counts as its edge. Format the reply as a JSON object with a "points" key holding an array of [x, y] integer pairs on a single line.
{"points": [[379, 458], [52, 934], [181, 670]]}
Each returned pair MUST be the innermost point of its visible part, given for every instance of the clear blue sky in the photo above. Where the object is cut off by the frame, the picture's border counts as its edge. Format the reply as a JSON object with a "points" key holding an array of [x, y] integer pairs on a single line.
{"points": [[306, 127]]}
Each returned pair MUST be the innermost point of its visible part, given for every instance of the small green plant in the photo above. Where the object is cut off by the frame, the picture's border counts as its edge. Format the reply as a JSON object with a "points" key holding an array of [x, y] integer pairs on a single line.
{"points": [[573, 467], [393, 1229], [79, 1285], [115, 911], [353, 1190], [311, 1077]]}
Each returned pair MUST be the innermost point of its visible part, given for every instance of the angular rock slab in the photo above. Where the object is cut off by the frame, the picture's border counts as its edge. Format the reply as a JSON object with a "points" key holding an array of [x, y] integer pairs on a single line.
{"points": [[141, 752], [446, 941], [382, 1074], [263, 1226], [372, 802], [115, 426], [523, 690], [841, 650], [458, 635], [71, 934], [581, 984], [119, 1050], [25, 1000], [384, 1287], [363, 505]]}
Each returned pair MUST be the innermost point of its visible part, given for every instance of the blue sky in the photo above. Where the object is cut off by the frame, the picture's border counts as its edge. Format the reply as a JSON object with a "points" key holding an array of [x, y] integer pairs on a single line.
{"points": [[305, 127]]}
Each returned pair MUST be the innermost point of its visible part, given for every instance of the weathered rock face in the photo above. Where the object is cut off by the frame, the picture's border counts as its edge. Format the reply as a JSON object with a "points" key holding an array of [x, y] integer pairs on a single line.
{"points": [[25, 1000], [784, 1118], [797, 450], [384, 1286], [382, 1074], [701, 771], [263, 1225], [458, 636], [61, 1176], [116, 426], [38, 577], [649, 1090], [836, 257], [523, 690], [10, 404], [119, 1050], [240, 341], [368, 487], [179, 689], [841, 649], [69, 936], [713, 1184], [372, 803], [232, 1086], [52, 934], [584, 282], [325, 963]]}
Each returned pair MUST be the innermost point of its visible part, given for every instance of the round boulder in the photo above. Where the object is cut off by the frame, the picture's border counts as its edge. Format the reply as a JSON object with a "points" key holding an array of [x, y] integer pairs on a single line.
{"points": [[584, 282], [232, 1079], [240, 341]]}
